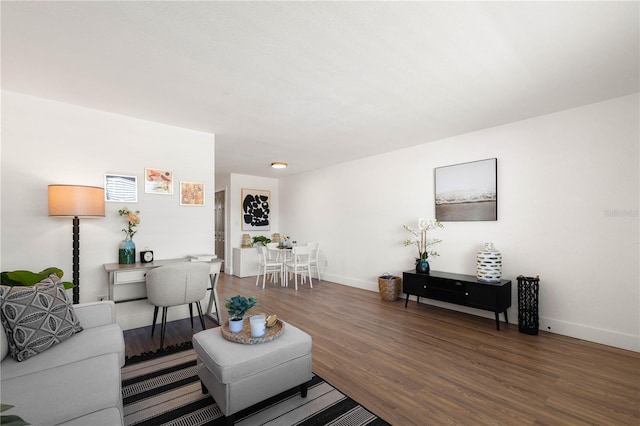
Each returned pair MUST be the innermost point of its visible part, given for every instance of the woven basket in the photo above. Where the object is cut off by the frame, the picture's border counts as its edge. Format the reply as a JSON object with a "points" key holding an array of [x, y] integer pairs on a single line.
{"points": [[389, 287]]}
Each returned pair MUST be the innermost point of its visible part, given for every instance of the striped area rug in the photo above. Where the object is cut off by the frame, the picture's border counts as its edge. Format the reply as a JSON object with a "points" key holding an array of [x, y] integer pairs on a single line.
{"points": [[166, 391]]}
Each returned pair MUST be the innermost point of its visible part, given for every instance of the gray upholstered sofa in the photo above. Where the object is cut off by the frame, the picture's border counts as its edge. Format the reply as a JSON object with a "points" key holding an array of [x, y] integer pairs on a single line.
{"points": [[76, 382]]}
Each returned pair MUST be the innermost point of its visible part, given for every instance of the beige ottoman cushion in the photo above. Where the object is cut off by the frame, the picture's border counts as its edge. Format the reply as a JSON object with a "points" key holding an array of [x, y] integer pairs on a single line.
{"points": [[239, 375]]}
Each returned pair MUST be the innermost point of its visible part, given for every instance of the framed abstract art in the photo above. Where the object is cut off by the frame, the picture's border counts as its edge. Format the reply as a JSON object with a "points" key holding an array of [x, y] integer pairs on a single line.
{"points": [[256, 209]]}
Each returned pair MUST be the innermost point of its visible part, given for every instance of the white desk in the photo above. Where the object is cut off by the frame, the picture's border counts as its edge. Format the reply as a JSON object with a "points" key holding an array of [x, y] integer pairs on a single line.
{"points": [[133, 275]]}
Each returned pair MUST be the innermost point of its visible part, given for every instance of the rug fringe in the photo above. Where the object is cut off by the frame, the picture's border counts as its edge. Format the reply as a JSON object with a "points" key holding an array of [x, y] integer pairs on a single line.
{"points": [[145, 356]]}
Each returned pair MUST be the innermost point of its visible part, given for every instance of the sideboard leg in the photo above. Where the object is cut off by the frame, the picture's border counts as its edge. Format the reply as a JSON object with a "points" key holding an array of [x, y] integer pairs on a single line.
{"points": [[506, 318], [497, 321], [406, 300]]}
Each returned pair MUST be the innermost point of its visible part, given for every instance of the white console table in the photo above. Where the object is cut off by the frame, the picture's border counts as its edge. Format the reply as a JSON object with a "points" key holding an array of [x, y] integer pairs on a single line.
{"points": [[131, 278]]}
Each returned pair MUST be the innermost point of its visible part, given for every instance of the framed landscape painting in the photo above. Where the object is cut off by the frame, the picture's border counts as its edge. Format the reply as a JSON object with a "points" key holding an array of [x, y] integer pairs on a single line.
{"points": [[256, 209], [467, 191]]}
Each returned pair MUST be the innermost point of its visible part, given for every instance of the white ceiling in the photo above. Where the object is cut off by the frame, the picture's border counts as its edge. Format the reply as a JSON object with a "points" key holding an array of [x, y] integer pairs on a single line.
{"points": [[316, 83]]}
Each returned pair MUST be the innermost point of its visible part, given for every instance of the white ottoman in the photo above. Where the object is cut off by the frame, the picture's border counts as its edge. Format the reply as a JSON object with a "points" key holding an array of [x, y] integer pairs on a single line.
{"points": [[239, 375]]}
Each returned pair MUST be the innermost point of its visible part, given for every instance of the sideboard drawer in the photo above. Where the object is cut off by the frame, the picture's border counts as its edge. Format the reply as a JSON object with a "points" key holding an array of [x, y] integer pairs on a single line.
{"points": [[446, 285], [126, 277]]}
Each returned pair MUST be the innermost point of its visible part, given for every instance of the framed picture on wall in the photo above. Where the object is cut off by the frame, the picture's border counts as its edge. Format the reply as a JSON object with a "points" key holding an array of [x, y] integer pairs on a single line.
{"points": [[191, 194], [158, 181], [256, 209], [120, 188], [467, 191]]}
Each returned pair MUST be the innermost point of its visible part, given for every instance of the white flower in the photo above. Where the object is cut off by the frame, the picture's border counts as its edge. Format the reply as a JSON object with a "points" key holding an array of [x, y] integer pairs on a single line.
{"points": [[420, 237]]}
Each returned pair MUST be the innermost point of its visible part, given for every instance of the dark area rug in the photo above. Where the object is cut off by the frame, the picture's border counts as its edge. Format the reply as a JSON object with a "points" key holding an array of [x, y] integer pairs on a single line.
{"points": [[162, 388]]}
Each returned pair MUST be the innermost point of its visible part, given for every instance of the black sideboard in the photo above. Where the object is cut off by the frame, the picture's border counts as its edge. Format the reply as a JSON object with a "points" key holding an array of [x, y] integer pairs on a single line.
{"points": [[459, 289]]}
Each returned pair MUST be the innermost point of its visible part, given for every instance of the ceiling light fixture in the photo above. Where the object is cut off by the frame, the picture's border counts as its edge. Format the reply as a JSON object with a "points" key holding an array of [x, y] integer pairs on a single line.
{"points": [[279, 165]]}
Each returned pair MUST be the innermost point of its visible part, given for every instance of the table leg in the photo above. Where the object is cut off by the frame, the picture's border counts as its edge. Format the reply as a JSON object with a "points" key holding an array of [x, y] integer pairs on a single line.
{"points": [[213, 299]]}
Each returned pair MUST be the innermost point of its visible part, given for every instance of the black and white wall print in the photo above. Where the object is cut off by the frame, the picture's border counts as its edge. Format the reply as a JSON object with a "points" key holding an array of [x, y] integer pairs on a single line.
{"points": [[255, 210]]}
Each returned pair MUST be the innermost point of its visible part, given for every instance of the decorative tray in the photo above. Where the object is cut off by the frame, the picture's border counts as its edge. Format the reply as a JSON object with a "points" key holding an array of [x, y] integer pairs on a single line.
{"points": [[244, 336]]}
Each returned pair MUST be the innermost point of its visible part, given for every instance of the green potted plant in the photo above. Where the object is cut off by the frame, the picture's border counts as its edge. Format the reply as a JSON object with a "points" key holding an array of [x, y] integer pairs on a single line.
{"points": [[261, 239], [237, 307]]}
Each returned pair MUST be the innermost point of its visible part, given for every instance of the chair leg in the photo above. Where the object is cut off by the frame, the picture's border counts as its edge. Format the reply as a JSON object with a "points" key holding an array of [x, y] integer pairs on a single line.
{"points": [[191, 314], [258, 276], [155, 317], [264, 276], [310, 280], [164, 326], [200, 314]]}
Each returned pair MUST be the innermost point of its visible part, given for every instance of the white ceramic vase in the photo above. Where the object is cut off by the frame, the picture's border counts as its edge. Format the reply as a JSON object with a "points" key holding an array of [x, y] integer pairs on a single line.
{"points": [[489, 264]]}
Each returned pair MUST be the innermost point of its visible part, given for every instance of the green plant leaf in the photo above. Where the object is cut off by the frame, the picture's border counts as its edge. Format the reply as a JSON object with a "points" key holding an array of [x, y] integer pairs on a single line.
{"points": [[12, 421]]}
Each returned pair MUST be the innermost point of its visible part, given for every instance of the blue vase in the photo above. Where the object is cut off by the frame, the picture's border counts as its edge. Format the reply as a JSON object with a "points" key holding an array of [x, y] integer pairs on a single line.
{"points": [[422, 266], [127, 252]]}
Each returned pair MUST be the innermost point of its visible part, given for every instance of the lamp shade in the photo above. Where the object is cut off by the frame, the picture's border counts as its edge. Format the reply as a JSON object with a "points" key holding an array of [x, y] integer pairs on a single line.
{"points": [[76, 200]]}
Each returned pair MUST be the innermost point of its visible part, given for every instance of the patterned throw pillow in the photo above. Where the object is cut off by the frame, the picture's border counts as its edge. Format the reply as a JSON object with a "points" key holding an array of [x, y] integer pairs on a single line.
{"points": [[36, 318]]}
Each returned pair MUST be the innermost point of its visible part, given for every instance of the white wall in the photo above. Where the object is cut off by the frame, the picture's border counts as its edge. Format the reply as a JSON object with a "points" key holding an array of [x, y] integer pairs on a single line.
{"points": [[567, 210], [46, 142], [234, 211]]}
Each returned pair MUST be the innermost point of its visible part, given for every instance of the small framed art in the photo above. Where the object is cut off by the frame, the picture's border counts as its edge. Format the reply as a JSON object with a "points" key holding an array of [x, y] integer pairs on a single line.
{"points": [[120, 188], [191, 194], [158, 181]]}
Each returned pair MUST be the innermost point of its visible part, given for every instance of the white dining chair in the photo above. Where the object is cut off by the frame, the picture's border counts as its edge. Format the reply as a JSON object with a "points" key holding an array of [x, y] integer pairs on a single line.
{"points": [[299, 263], [267, 265], [274, 253], [314, 261]]}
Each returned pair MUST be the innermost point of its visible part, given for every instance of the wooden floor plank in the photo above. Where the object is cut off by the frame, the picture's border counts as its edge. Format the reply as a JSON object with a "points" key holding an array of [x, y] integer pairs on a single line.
{"points": [[428, 365]]}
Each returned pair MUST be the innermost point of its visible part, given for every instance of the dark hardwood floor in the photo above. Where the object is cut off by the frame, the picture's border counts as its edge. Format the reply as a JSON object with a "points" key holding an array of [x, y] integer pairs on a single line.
{"points": [[429, 366]]}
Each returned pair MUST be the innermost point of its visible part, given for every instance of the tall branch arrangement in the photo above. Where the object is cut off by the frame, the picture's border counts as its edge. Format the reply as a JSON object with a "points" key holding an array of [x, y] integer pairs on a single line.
{"points": [[420, 237]]}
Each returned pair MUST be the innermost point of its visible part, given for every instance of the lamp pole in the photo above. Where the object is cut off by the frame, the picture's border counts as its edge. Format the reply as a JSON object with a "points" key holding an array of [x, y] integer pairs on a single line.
{"points": [[76, 260]]}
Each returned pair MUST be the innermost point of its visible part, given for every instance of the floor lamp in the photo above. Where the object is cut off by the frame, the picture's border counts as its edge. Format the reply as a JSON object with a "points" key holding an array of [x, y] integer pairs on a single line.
{"points": [[75, 201]]}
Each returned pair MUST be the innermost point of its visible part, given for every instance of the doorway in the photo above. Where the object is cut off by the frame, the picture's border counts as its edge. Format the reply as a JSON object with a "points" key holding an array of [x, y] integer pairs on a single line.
{"points": [[219, 226]]}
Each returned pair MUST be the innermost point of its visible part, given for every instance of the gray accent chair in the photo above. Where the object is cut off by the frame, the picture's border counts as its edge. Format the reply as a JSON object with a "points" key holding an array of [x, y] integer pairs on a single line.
{"points": [[177, 284]]}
